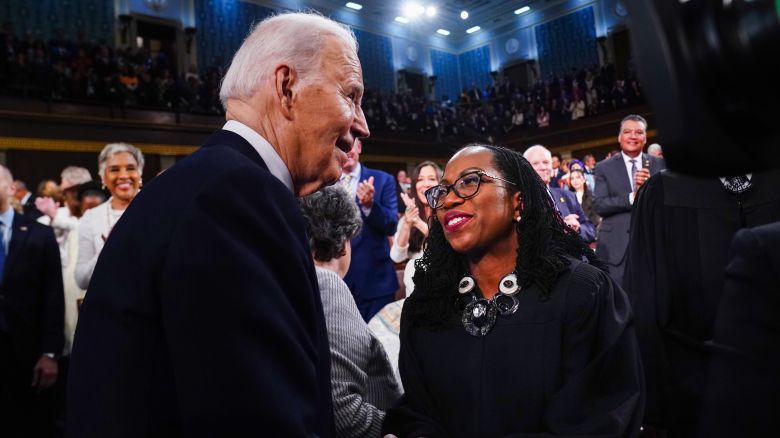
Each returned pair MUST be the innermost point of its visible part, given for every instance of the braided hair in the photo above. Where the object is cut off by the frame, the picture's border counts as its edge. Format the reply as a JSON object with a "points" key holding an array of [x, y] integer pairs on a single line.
{"points": [[546, 246]]}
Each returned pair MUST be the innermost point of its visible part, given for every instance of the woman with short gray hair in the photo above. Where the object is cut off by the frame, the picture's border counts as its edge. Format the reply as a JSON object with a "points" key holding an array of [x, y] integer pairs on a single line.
{"points": [[120, 166], [362, 379]]}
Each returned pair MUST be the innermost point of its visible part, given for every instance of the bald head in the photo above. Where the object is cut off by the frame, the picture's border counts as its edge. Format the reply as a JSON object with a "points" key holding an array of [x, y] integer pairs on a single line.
{"points": [[541, 160]]}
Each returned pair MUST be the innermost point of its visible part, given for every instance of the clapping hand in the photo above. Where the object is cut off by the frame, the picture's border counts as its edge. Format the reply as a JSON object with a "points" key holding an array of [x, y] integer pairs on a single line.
{"points": [[412, 214], [365, 192], [47, 206]]}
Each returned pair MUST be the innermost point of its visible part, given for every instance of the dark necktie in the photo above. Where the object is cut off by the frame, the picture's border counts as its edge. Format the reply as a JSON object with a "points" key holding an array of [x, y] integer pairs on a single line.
{"points": [[633, 175]]}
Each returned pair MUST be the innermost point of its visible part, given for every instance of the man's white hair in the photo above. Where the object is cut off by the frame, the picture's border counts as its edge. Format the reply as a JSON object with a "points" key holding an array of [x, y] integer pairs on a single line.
{"points": [[536, 148], [294, 38], [653, 148]]}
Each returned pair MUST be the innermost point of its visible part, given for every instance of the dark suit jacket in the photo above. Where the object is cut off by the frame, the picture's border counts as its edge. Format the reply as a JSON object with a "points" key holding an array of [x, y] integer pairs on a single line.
{"points": [[203, 316], [555, 177], [372, 272], [611, 201], [743, 397], [588, 208], [31, 295], [567, 204]]}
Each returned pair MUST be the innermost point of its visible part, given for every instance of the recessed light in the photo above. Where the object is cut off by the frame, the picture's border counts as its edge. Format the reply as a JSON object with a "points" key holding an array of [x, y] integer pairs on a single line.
{"points": [[444, 32], [464, 15], [473, 29], [522, 10], [355, 6], [413, 9], [430, 11], [403, 20]]}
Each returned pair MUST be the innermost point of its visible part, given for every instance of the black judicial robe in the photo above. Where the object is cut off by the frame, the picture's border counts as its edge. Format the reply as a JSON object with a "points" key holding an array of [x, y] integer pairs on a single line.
{"points": [[567, 366], [743, 389], [681, 231], [203, 316]]}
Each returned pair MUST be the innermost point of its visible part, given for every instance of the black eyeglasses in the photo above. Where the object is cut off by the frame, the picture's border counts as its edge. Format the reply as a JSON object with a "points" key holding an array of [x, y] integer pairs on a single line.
{"points": [[464, 187]]}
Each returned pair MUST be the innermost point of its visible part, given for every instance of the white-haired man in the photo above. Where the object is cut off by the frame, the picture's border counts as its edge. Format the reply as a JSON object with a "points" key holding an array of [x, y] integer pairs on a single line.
{"points": [[655, 150], [203, 316], [565, 202]]}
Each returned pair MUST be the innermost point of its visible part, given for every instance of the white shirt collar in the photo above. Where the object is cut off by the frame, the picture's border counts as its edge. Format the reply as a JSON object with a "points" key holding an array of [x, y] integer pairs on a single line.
{"points": [[269, 155], [627, 160], [355, 174]]}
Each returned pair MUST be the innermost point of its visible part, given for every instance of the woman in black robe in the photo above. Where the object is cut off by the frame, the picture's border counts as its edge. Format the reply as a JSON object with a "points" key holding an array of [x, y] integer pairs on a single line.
{"points": [[514, 329]]}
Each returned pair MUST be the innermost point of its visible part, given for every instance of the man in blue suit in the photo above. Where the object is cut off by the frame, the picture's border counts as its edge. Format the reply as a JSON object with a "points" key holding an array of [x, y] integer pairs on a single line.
{"points": [[203, 317], [565, 201], [371, 276], [617, 181]]}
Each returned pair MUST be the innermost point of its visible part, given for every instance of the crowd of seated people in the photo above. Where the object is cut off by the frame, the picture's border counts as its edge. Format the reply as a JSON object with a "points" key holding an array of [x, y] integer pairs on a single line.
{"points": [[81, 70], [485, 114], [86, 71]]}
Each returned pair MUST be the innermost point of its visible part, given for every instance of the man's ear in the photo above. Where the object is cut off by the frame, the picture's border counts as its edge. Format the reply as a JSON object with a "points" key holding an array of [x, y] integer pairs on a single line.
{"points": [[285, 79]]}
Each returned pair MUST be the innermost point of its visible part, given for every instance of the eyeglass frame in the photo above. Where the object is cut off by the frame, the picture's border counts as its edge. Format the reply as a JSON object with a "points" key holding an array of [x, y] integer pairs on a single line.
{"points": [[451, 187]]}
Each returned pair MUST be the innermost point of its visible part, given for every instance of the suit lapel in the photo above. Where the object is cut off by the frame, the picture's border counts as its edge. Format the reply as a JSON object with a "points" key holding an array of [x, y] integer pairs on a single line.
{"points": [[18, 239], [620, 166]]}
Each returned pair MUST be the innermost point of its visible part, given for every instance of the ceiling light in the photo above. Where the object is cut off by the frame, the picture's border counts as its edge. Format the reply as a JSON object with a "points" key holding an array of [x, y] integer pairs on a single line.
{"points": [[430, 11], [403, 20], [354, 6], [464, 15], [473, 29], [522, 10], [413, 9], [444, 32]]}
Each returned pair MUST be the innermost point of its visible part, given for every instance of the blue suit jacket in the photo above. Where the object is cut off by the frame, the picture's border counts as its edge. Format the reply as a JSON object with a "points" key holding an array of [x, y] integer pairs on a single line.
{"points": [[203, 316], [372, 272], [567, 204]]}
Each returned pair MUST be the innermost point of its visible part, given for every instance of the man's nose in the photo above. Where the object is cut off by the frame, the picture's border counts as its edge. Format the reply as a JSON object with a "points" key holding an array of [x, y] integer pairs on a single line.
{"points": [[360, 125]]}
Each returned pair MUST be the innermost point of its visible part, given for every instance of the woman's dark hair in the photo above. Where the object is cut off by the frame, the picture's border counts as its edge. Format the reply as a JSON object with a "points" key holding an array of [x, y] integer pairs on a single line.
{"points": [[584, 180], [331, 218], [416, 237], [546, 244]]}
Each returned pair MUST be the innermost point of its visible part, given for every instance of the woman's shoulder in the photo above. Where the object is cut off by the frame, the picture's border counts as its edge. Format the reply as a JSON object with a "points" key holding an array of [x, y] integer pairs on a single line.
{"points": [[586, 285], [586, 276], [94, 213]]}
